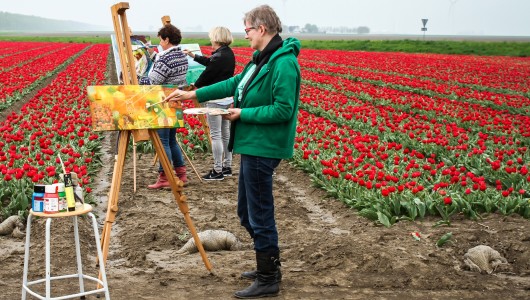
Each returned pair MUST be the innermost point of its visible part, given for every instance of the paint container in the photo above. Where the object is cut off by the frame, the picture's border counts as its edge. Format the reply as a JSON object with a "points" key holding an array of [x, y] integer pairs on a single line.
{"points": [[69, 190], [78, 190], [62, 197], [51, 199], [37, 200], [78, 194]]}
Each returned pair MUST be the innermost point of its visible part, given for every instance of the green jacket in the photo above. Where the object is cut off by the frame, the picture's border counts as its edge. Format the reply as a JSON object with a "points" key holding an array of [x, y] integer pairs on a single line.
{"points": [[267, 126]]}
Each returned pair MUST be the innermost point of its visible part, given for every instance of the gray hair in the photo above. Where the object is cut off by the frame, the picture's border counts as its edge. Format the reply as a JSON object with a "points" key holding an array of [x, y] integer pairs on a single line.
{"points": [[266, 16], [221, 35]]}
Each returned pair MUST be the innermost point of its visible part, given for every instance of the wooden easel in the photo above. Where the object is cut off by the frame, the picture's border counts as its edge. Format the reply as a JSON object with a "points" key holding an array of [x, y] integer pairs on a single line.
{"points": [[129, 77], [166, 20]]}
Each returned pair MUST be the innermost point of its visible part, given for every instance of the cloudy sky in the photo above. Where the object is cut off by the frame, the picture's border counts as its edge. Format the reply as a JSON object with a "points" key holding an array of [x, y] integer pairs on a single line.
{"points": [[446, 17]]}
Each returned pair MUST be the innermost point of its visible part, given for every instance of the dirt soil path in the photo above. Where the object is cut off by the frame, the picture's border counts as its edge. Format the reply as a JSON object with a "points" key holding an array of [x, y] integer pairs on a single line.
{"points": [[328, 252]]}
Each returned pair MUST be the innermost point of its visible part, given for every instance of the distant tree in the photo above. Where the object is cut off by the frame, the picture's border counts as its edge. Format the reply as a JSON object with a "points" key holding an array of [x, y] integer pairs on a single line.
{"points": [[310, 28], [294, 28], [363, 30], [341, 29], [325, 29], [344, 29]]}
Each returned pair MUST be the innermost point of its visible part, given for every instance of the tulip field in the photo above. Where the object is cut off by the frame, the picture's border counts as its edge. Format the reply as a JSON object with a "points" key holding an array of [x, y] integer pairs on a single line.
{"points": [[396, 136], [54, 121]]}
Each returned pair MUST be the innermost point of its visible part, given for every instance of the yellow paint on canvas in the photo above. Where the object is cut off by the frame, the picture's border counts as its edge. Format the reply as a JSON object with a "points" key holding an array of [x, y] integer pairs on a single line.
{"points": [[123, 107]]}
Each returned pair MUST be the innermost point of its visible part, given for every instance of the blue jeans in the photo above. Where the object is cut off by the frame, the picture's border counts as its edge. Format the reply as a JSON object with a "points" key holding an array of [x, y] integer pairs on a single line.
{"points": [[168, 137], [255, 202]]}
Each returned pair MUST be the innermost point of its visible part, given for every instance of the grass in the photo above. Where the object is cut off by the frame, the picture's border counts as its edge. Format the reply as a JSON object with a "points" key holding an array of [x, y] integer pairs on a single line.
{"points": [[520, 49]]}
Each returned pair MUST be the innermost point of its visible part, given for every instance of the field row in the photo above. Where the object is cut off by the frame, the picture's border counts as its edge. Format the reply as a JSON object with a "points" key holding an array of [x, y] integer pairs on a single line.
{"points": [[21, 72]]}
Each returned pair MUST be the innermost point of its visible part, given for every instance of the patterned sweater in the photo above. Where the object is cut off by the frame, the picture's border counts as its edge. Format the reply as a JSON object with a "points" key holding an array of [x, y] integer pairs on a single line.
{"points": [[170, 67]]}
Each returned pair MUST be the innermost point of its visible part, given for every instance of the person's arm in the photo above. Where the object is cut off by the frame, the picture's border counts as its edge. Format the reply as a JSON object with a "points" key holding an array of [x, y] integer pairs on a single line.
{"points": [[214, 68], [218, 90], [179, 95], [144, 80], [157, 75], [203, 60], [234, 114], [189, 53]]}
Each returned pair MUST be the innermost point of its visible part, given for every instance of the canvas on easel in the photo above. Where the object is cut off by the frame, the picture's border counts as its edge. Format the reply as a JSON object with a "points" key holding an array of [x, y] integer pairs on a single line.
{"points": [[140, 49], [195, 69]]}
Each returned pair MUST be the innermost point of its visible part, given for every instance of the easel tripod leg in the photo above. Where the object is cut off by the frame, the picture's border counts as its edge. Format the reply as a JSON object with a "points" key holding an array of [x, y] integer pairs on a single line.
{"points": [[155, 159], [189, 161], [112, 205], [176, 188]]}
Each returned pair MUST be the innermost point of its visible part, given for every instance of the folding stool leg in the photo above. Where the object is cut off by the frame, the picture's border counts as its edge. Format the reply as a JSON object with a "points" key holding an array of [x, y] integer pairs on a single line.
{"points": [[100, 256], [78, 256], [26, 257], [48, 269]]}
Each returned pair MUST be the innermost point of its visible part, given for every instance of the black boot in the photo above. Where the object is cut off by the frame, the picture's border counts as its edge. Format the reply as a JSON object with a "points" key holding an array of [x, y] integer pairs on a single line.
{"points": [[266, 283], [254, 274]]}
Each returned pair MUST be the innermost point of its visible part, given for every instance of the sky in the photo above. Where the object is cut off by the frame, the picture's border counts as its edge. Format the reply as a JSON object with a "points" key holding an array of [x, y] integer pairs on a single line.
{"points": [[445, 17]]}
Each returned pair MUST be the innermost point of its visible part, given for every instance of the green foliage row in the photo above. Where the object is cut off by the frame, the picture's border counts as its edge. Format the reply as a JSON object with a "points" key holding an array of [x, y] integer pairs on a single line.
{"points": [[521, 49]]}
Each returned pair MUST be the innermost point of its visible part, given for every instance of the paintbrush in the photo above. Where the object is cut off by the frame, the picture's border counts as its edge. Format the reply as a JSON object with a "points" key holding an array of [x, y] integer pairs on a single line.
{"points": [[147, 105]]}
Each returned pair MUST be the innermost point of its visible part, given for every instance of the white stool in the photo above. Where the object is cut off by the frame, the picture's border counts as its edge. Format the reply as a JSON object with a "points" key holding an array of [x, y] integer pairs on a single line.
{"points": [[103, 282]]}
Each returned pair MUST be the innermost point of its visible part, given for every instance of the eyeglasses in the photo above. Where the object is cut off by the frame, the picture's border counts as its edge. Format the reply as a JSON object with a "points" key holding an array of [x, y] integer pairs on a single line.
{"points": [[249, 29]]}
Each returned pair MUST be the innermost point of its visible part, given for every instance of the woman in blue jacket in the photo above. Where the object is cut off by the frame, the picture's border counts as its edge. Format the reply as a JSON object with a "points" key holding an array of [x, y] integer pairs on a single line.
{"points": [[266, 96]]}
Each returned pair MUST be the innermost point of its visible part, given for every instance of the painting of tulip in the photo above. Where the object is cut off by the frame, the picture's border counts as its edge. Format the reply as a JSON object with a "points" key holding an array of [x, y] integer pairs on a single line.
{"points": [[127, 107]]}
